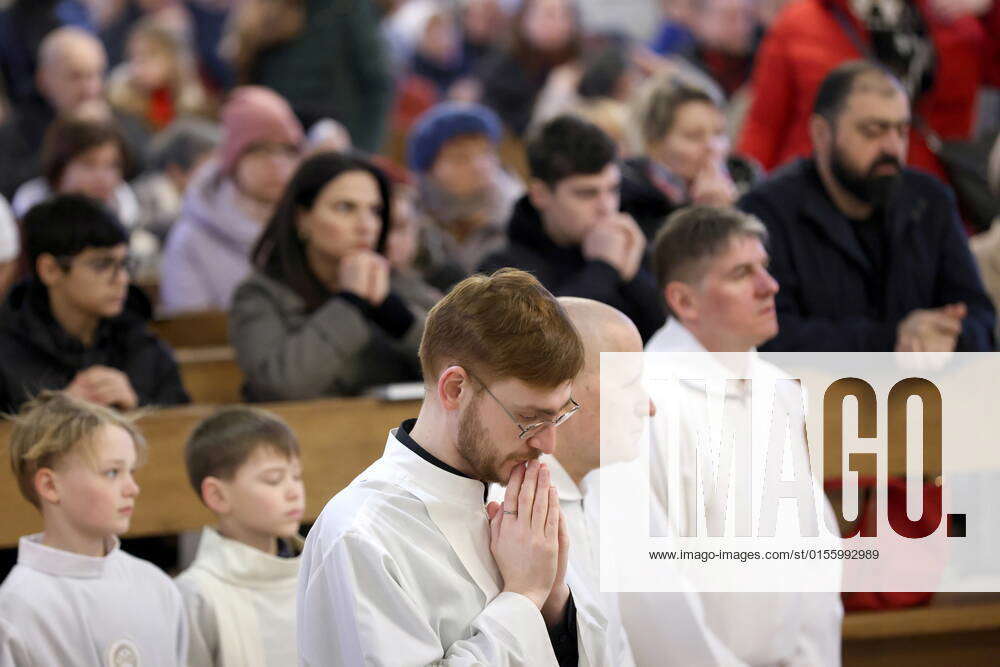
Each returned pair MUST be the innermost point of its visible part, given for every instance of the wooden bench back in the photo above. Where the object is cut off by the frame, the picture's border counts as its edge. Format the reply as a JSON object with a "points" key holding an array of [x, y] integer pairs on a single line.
{"points": [[339, 438], [210, 374], [205, 329]]}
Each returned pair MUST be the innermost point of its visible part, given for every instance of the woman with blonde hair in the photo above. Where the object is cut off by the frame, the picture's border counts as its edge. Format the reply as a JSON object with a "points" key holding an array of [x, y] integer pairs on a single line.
{"points": [[158, 82]]}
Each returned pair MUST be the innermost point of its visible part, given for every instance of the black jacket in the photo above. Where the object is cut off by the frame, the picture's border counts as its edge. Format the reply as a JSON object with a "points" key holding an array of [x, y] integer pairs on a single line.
{"points": [[36, 353], [650, 206], [642, 199], [826, 302], [565, 272]]}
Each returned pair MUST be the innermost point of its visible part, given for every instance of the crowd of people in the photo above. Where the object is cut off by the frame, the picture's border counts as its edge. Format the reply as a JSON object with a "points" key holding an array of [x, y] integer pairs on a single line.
{"points": [[481, 195]]}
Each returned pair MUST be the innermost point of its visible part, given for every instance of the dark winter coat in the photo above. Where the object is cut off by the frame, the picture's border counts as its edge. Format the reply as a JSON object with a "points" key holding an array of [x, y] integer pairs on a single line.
{"points": [[825, 302], [36, 353], [564, 271]]}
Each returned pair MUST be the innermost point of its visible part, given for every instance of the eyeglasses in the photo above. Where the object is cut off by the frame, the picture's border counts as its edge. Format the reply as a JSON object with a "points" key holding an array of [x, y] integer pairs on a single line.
{"points": [[105, 267], [531, 429]]}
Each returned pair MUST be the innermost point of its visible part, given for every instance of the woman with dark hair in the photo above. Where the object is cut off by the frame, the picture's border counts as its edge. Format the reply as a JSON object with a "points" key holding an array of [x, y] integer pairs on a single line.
{"points": [[547, 34], [323, 314], [87, 157]]}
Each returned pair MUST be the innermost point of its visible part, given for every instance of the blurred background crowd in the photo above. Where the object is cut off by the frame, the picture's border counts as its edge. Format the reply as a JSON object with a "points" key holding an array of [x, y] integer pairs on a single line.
{"points": [[189, 118]]}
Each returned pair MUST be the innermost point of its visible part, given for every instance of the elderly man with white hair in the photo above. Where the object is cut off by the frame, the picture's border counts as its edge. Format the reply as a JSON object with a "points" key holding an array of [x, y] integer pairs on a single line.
{"points": [[72, 65]]}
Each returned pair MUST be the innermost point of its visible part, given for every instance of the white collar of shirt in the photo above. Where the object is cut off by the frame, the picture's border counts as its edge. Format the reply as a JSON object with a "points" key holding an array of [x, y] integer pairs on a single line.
{"points": [[31, 553], [243, 565], [455, 505], [674, 337], [431, 480]]}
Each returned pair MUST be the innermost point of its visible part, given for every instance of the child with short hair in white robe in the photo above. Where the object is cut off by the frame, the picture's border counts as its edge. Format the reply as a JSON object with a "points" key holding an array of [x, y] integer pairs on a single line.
{"points": [[74, 598], [240, 590]]}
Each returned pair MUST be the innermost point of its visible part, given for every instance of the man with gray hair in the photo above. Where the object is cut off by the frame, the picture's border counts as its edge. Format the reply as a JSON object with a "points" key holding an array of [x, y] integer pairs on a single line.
{"points": [[712, 271], [711, 268], [70, 80]]}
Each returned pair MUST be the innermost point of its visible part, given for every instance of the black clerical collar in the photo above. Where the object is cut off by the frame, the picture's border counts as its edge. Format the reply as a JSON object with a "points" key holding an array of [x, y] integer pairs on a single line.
{"points": [[403, 435]]}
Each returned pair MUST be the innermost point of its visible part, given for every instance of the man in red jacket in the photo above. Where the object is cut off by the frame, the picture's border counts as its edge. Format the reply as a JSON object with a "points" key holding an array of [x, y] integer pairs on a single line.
{"points": [[941, 61]]}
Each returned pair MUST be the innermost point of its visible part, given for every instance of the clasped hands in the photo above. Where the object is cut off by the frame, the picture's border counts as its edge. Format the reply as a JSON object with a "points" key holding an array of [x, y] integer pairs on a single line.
{"points": [[529, 540]]}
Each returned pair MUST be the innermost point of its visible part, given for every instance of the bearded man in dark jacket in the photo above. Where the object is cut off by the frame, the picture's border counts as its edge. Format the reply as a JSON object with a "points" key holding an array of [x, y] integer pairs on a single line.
{"points": [[870, 255]]}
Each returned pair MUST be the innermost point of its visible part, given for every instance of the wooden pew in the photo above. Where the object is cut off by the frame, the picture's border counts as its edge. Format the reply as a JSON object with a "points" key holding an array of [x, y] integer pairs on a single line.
{"points": [[205, 329], [210, 374], [339, 439], [956, 629]]}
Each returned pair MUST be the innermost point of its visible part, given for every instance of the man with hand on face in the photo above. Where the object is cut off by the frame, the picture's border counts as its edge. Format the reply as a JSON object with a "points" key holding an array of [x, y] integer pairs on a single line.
{"points": [[568, 230], [870, 255], [407, 565]]}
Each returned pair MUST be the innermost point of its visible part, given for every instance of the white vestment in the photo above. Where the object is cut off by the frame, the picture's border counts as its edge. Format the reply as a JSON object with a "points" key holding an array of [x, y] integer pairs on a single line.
{"points": [[759, 628], [398, 571], [62, 608], [583, 573], [241, 605], [654, 629]]}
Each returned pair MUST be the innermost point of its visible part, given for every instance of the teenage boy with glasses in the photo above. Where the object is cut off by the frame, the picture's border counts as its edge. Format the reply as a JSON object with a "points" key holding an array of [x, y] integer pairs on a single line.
{"points": [[408, 565], [75, 323]]}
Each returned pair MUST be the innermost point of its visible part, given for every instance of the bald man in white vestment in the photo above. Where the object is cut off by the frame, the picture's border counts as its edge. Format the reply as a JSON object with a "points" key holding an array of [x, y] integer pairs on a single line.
{"points": [[656, 628]]}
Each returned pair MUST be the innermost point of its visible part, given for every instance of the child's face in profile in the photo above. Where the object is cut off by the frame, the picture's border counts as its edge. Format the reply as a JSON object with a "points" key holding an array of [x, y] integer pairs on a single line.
{"points": [[97, 497], [266, 495]]}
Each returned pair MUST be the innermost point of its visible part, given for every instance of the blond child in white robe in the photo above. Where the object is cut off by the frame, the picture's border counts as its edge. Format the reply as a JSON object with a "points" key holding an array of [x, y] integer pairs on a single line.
{"points": [[74, 598], [240, 589]]}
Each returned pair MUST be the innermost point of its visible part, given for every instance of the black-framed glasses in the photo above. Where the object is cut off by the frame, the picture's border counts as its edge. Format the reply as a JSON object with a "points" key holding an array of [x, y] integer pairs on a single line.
{"points": [[531, 429], [106, 267]]}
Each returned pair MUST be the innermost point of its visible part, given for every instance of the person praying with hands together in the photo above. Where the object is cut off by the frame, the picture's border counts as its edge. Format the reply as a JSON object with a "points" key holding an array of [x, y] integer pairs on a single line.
{"points": [[568, 230], [529, 522], [323, 314], [686, 158], [408, 565]]}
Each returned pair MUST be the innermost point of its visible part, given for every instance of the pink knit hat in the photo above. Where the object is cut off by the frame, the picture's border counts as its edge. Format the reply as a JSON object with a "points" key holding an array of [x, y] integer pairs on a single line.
{"points": [[255, 114]]}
